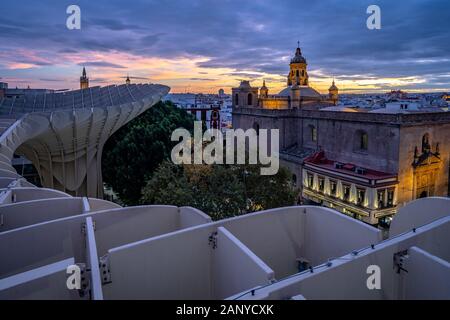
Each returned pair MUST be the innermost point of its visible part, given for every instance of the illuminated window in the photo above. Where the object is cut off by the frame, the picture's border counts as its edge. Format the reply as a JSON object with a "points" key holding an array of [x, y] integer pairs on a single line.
{"points": [[310, 180], [346, 189], [361, 194], [321, 184], [390, 198], [333, 187], [380, 198]]}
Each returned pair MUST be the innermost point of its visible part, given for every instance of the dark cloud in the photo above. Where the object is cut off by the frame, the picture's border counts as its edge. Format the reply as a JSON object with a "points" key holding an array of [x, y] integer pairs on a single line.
{"points": [[68, 51], [135, 78], [101, 64], [101, 80], [51, 80], [112, 24], [150, 40]]}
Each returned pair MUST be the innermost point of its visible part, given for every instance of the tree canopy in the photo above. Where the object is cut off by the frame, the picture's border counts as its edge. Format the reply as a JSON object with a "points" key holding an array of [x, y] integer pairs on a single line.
{"points": [[131, 154], [219, 190]]}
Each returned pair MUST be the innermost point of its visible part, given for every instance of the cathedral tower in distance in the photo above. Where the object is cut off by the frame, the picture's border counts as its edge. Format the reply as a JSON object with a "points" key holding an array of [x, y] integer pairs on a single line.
{"points": [[84, 80]]}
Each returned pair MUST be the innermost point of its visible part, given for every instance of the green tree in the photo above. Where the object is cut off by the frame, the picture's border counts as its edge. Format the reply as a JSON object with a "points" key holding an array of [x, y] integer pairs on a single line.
{"points": [[219, 190], [269, 191], [169, 185], [132, 153]]}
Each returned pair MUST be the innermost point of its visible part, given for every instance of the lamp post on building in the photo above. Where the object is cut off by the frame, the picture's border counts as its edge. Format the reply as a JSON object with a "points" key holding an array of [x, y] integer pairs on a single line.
{"points": [[245, 174]]}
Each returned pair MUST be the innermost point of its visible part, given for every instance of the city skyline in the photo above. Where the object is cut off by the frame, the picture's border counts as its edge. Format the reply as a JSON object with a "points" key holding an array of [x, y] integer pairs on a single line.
{"points": [[205, 45]]}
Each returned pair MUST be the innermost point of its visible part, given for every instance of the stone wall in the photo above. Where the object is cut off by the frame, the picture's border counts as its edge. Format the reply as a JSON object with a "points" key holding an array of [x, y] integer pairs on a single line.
{"points": [[391, 139]]}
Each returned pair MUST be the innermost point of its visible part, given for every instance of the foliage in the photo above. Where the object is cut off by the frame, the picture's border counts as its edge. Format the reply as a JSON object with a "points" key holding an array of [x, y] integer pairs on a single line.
{"points": [[132, 153], [219, 190]]}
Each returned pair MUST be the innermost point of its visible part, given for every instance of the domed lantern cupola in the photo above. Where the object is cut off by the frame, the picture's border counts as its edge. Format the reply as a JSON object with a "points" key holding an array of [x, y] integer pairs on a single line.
{"points": [[333, 93], [297, 73], [264, 91]]}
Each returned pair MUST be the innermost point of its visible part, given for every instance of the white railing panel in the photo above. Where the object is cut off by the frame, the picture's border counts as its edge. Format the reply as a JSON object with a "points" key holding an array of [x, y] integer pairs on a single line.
{"points": [[235, 267], [46, 282], [92, 261]]}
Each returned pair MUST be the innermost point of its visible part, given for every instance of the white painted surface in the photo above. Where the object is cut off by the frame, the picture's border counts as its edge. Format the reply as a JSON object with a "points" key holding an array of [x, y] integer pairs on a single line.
{"points": [[144, 221], [281, 236], [275, 236], [47, 282], [329, 235], [5, 197], [235, 267], [347, 277], [165, 267], [92, 261], [437, 242], [100, 205], [27, 213], [418, 286], [33, 193], [418, 213], [31, 247], [190, 217]]}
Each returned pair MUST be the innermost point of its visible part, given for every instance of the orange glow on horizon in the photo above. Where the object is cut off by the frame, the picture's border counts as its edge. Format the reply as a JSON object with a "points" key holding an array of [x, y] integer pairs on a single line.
{"points": [[182, 74]]}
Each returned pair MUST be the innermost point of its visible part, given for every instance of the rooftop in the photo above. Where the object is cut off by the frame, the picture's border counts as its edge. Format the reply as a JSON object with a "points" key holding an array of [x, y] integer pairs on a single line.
{"points": [[43, 100], [319, 160], [305, 91], [404, 119]]}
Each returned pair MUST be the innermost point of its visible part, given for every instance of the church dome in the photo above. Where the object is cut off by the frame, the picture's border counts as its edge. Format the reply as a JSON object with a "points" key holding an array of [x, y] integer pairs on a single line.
{"points": [[305, 91], [298, 58], [245, 84]]}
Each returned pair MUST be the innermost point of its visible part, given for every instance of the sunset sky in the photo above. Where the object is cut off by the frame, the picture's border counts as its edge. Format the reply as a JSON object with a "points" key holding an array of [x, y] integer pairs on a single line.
{"points": [[201, 46]]}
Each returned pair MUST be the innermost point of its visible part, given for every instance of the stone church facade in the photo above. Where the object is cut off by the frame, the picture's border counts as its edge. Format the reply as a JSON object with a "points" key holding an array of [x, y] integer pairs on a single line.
{"points": [[363, 164]]}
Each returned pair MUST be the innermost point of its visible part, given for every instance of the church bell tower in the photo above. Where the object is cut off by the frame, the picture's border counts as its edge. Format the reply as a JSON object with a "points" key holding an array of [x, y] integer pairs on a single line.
{"points": [[297, 73], [333, 93], [84, 80]]}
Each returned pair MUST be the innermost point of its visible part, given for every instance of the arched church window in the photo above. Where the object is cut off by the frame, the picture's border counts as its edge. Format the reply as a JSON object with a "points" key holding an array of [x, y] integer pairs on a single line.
{"points": [[303, 73], [296, 73], [250, 99], [236, 99], [294, 180]]}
